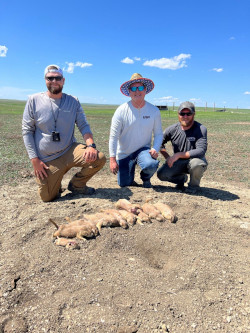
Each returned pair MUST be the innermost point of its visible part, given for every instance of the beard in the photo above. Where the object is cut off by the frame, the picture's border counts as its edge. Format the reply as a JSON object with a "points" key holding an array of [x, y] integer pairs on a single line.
{"points": [[54, 90]]}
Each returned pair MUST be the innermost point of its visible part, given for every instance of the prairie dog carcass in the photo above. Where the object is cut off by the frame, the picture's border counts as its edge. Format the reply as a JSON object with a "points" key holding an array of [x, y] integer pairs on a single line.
{"points": [[126, 205], [152, 212], [166, 211], [68, 243], [116, 214], [86, 230], [103, 220], [129, 217], [143, 217]]}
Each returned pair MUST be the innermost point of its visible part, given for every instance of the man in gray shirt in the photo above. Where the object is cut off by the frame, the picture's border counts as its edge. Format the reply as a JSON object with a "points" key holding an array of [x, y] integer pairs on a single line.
{"points": [[48, 125], [189, 141]]}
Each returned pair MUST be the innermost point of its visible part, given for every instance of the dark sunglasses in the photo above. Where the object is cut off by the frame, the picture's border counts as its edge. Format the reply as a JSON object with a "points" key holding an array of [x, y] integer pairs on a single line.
{"points": [[52, 78], [185, 114], [140, 88]]}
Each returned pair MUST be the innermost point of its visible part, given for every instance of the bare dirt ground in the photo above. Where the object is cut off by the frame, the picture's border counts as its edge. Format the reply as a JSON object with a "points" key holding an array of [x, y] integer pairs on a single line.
{"points": [[191, 276]]}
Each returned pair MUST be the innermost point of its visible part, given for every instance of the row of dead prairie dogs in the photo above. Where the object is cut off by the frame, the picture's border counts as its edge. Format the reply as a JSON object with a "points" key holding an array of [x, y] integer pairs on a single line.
{"points": [[126, 214]]}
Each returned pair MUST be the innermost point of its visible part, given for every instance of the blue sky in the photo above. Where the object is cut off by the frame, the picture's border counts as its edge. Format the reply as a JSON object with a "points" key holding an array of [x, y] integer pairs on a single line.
{"points": [[192, 50]]}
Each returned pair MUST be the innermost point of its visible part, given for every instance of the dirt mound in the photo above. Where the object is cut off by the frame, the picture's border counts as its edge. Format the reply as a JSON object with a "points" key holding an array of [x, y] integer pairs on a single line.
{"points": [[191, 276]]}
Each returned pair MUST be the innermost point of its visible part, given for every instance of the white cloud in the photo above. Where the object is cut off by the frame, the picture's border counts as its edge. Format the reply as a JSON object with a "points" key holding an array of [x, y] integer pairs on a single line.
{"points": [[165, 100], [247, 93], [232, 38], [71, 66], [137, 58], [218, 70], [3, 51], [127, 60], [169, 63], [195, 100]]}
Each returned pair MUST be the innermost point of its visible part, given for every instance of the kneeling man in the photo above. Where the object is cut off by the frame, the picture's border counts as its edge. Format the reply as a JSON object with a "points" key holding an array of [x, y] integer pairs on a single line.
{"points": [[189, 141], [131, 132]]}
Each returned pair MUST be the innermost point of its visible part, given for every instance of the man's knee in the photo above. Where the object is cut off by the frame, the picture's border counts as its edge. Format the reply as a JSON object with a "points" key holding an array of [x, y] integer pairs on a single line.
{"points": [[46, 196], [197, 162], [102, 158], [151, 165]]}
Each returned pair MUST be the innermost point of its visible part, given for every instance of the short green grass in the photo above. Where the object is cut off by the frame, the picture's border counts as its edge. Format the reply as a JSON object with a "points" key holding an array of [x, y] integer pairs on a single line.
{"points": [[228, 140]]}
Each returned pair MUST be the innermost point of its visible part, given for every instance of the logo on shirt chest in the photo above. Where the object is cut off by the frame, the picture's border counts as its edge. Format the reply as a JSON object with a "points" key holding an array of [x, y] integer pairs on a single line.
{"points": [[191, 138], [146, 117]]}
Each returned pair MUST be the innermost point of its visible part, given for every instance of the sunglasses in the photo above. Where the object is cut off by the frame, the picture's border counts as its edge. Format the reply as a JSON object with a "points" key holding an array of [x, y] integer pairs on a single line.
{"points": [[182, 114], [52, 78], [140, 88]]}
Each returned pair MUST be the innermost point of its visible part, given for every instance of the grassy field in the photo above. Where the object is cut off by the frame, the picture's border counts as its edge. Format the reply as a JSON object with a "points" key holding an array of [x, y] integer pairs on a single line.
{"points": [[228, 140]]}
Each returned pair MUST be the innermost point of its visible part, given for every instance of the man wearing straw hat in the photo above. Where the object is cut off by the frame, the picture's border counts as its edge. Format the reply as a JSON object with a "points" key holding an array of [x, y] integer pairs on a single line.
{"points": [[132, 127]]}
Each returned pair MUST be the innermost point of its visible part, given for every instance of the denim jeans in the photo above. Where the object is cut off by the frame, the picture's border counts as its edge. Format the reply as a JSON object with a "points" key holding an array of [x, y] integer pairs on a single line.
{"points": [[142, 157], [177, 174]]}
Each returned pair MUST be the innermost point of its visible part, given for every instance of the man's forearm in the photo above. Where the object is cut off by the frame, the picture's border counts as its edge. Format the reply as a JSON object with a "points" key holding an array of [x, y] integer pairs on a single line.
{"points": [[164, 153]]}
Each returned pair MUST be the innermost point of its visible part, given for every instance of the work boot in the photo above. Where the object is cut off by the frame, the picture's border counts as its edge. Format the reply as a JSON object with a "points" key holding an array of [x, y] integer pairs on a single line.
{"points": [[180, 186], [147, 184], [81, 190], [134, 183]]}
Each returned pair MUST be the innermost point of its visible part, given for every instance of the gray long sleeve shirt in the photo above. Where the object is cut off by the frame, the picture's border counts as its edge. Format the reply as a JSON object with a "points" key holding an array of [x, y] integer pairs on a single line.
{"points": [[132, 129], [193, 140], [42, 116]]}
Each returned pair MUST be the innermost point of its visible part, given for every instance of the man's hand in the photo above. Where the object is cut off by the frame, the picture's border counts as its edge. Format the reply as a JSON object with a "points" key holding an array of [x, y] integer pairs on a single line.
{"points": [[171, 159], [153, 153], [114, 167], [39, 168], [90, 154]]}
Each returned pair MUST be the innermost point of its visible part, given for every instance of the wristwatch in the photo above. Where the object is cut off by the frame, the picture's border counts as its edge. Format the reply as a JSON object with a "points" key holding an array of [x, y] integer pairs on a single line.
{"points": [[93, 145]]}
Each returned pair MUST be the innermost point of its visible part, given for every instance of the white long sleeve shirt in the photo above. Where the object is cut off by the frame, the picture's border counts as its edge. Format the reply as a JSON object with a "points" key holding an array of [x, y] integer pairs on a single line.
{"points": [[132, 129]]}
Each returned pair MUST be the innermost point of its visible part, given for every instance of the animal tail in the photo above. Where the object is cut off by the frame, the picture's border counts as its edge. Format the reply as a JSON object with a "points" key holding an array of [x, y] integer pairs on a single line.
{"points": [[53, 222]]}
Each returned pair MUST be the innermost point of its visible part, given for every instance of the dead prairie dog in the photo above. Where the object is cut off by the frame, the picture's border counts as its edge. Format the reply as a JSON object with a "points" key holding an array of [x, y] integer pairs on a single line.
{"points": [[126, 205], [129, 217], [152, 212], [143, 217], [68, 243], [103, 220], [166, 211], [115, 213], [70, 231]]}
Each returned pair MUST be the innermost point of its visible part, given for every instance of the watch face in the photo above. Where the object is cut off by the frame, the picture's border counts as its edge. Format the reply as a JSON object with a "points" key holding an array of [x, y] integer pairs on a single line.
{"points": [[93, 145]]}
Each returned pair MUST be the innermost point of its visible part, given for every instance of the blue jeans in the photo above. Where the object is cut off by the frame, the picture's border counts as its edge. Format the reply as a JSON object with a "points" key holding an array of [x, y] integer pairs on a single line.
{"points": [[126, 173]]}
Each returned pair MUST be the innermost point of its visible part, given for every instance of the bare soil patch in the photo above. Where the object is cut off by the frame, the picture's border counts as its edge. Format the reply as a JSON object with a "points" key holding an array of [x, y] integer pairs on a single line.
{"points": [[191, 276]]}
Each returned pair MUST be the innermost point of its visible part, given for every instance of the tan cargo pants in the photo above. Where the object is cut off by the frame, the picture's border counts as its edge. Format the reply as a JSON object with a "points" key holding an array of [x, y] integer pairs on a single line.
{"points": [[50, 186]]}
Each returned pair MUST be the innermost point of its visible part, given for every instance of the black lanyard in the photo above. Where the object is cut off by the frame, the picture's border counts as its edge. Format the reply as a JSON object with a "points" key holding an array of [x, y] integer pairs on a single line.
{"points": [[55, 113]]}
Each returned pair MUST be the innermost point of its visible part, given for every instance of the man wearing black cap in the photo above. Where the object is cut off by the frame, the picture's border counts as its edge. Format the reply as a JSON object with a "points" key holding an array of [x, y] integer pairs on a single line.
{"points": [[189, 142], [48, 132]]}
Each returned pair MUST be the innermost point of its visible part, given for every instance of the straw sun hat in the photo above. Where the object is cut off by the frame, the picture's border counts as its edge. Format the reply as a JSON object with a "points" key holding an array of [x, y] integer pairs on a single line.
{"points": [[136, 77]]}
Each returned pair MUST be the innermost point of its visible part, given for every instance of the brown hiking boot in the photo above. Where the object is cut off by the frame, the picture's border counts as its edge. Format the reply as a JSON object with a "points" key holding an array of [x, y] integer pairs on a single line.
{"points": [[81, 190]]}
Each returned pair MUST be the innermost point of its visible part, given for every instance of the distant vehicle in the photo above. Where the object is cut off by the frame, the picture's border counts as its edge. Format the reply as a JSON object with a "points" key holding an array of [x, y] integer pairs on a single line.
{"points": [[162, 107], [221, 110]]}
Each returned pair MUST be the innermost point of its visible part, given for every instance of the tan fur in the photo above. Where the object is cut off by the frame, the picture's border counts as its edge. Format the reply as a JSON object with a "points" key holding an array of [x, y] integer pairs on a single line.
{"points": [[143, 217], [68, 243], [115, 213], [126, 205], [129, 217], [103, 220], [76, 229], [152, 212], [166, 211]]}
